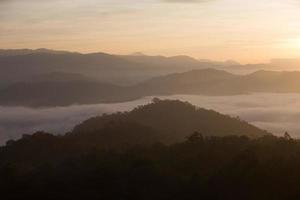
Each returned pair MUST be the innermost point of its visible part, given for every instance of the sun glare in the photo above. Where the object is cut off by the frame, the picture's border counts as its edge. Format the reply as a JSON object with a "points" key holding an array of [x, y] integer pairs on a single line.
{"points": [[294, 43]]}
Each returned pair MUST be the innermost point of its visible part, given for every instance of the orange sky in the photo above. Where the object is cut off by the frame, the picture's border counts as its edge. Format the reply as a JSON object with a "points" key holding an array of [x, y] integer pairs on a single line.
{"points": [[243, 30]]}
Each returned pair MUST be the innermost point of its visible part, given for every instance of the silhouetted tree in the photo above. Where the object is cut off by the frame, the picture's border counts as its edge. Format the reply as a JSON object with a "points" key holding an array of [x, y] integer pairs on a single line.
{"points": [[195, 138], [287, 136]]}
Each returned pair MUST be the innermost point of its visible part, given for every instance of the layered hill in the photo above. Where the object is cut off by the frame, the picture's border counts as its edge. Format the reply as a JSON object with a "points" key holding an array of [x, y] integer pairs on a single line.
{"points": [[103, 67], [21, 64], [63, 89], [174, 63], [218, 82]]}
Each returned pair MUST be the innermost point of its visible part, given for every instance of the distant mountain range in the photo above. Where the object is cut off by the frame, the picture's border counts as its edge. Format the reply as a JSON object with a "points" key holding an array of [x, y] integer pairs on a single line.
{"points": [[176, 63], [18, 52], [62, 89], [217, 82], [21, 65], [45, 77], [100, 66]]}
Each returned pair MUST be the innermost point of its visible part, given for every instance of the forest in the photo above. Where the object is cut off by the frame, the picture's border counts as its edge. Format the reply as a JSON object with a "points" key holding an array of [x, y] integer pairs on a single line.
{"points": [[119, 157]]}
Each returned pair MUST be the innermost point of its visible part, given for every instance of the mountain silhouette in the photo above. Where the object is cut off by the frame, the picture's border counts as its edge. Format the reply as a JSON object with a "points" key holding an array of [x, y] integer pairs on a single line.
{"points": [[18, 52], [164, 121], [46, 77], [218, 82], [21, 64], [62, 89], [174, 120], [51, 93], [100, 66], [174, 63]]}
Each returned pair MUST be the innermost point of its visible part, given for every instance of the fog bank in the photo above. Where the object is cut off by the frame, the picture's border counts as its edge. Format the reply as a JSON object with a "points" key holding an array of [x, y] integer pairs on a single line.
{"points": [[274, 112]]}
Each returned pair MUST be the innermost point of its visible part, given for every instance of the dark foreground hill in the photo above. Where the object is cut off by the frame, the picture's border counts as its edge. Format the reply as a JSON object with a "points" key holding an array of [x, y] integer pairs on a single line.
{"points": [[117, 157], [229, 168]]}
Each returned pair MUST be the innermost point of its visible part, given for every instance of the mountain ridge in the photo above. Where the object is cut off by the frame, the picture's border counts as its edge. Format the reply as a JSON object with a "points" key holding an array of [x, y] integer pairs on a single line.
{"points": [[210, 82]]}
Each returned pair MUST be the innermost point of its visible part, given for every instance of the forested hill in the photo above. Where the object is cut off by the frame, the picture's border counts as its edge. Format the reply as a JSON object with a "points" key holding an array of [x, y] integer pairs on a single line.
{"points": [[162, 121], [175, 120], [123, 156], [131, 156]]}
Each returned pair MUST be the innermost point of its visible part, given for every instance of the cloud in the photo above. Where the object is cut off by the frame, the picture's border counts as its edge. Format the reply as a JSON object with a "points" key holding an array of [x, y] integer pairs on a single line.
{"points": [[16, 121], [274, 112]]}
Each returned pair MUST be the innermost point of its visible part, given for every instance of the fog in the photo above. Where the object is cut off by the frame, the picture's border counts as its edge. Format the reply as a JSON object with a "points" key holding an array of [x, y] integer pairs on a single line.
{"points": [[276, 113]]}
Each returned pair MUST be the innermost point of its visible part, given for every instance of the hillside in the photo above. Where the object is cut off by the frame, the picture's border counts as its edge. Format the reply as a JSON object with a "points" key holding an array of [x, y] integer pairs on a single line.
{"points": [[198, 168], [59, 76], [21, 64], [18, 52], [100, 66], [162, 121], [174, 63], [206, 82], [175, 120], [63, 89], [124, 152], [218, 82], [47, 93]]}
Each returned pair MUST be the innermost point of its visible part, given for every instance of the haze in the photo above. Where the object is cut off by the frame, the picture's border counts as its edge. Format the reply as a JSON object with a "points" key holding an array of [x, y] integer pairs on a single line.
{"points": [[248, 31], [276, 113]]}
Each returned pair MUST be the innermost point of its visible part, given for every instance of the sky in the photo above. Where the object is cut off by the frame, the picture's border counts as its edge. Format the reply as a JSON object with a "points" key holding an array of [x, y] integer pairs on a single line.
{"points": [[248, 31]]}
